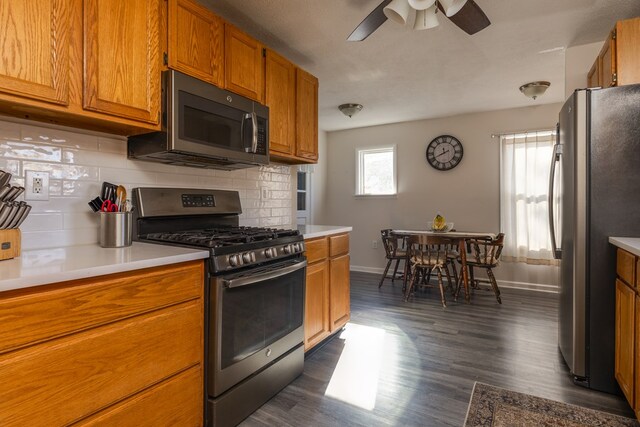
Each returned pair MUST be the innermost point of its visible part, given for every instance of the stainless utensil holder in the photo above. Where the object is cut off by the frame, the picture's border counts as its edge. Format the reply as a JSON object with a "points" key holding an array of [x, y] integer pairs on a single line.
{"points": [[115, 229]]}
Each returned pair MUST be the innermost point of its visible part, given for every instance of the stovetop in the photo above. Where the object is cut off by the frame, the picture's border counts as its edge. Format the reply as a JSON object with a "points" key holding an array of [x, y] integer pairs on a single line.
{"points": [[221, 236]]}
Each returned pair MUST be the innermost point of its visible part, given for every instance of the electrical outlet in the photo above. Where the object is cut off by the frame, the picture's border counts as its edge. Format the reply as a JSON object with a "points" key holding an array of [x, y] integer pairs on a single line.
{"points": [[36, 185], [374, 244]]}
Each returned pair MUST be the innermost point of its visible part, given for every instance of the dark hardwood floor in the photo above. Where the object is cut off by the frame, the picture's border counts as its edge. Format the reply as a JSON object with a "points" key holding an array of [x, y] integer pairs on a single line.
{"points": [[415, 363]]}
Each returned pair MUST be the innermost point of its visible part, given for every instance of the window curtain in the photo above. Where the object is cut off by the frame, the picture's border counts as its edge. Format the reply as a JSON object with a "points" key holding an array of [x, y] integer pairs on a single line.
{"points": [[524, 215]]}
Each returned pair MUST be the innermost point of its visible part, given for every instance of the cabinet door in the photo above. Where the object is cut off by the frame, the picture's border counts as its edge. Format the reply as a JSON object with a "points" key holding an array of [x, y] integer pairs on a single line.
{"points": [[593, 78], [339, 291], [306, 115], [608, 62], [122, 58], [625, 335], [196, 41], [280, 97], [244, 67], [316, 307], [34, 57]]}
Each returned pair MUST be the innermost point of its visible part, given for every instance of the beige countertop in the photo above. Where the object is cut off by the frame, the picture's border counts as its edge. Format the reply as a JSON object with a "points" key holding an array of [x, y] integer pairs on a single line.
{"points": [[629, 244], [310, 231], [43, 266]]}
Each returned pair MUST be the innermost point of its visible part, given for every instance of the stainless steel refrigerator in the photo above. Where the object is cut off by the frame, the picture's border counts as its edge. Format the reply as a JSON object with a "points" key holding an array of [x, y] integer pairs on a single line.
{"points": [[594, 193]]}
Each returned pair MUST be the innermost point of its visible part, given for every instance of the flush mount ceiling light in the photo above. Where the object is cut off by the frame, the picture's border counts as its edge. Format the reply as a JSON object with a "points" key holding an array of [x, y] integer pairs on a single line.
{"points": [[466, 14], [534, 89], [350, 109]]}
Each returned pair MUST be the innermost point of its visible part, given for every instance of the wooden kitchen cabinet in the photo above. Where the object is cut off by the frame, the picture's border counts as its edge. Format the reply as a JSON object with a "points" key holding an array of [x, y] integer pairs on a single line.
{"points": [[618, 63], [244, 65], [316, 307], [34, 58], [627, 328], [306, 116], [105, 351], [280, 97], [122, 58], [625, 338], [196, 41], [327, 298]]}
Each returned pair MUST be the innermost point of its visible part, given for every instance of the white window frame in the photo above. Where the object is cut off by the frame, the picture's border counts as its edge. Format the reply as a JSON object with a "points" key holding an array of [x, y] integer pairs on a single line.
{"points": [[360, 152]]}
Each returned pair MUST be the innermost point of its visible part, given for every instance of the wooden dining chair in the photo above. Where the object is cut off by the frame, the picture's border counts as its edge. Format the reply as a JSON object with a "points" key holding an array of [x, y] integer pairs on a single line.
{"points": [[394, 251], [427, 253], [484, 254]]}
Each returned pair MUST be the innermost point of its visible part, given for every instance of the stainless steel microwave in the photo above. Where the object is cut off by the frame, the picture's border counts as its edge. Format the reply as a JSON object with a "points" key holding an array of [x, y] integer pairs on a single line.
{"points": [[204, 126]]}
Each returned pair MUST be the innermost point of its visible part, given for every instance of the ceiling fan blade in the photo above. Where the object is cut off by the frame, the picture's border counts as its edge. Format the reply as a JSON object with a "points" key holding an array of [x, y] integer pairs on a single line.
{"points": [[470, 18], [369, 24]]}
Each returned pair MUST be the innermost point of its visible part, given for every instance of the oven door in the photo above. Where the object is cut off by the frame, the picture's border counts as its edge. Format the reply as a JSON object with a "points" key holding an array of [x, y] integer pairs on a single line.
{"points": [[256, 317]]}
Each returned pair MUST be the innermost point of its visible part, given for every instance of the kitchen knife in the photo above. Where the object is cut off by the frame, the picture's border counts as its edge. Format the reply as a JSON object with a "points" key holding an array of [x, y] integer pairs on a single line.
{"points": [[16, 191], [22, 207], [3, 191], [23, 216], [4, 178], [4, 212], [12, 212]]}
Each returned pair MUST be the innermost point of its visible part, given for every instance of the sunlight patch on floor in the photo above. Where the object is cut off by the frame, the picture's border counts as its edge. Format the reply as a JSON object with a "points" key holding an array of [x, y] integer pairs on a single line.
{"points": [[355, 378]]}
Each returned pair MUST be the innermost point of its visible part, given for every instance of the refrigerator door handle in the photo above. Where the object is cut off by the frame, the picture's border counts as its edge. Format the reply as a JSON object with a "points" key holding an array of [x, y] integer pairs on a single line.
{"points": [[557, 151]]}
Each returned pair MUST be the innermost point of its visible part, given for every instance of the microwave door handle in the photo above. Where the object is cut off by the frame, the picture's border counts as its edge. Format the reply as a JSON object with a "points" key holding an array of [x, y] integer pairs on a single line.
{"points": [[557, 151], [242, 134], [260, 277], [254, 136]]}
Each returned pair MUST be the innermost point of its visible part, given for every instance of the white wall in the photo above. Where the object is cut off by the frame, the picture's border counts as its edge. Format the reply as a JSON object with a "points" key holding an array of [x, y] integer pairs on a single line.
{"points": [[79, 161], [467, 195], [578, 62]]}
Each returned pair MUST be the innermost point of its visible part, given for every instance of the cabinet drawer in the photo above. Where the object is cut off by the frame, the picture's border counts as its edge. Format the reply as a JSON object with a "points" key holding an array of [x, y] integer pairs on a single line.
{"points": [[338, 245], [316, 249], [40, 313], [626, 267], [61, 381], [174, 402]]}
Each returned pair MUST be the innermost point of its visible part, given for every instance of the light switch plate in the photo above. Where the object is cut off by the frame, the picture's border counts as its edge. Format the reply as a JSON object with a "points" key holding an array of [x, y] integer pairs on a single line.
{"points": [[36, 185]]}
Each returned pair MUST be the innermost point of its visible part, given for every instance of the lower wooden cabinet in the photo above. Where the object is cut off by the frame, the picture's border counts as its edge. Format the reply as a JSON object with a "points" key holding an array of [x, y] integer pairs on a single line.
{"points": [[627, 328], [112, 350], [327, 298]]}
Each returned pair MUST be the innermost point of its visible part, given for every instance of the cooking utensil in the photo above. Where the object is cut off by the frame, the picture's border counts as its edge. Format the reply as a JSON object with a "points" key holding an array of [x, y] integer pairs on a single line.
{"points": [[23, 216], [108, 191], [95, 204], [108, 206], [121, 196]]}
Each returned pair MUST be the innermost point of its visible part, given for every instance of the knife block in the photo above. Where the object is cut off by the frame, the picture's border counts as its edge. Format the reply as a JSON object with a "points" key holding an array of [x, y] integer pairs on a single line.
{"points": [[9, 243]]}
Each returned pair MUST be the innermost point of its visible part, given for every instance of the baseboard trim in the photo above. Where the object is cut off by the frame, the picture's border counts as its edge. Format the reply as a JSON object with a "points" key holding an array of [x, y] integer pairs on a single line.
{"points": [[538, 287]]}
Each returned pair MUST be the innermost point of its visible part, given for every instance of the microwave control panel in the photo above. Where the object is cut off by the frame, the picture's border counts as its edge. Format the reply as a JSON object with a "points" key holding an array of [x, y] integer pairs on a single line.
{"points": [[261, 147]]}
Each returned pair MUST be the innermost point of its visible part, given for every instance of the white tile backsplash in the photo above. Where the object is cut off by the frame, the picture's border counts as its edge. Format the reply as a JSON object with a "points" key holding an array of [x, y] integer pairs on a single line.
{"points": [[78, 163]]}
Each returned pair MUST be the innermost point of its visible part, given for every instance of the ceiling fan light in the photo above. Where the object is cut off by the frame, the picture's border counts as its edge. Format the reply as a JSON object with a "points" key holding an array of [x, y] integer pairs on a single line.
{"points": [[534, 89], [350, 109], [397, 11], [451, 7], [426, 19], [421, 4]]}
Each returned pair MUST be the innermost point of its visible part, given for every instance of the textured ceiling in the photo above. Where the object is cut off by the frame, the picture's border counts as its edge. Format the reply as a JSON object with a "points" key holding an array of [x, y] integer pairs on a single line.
{"points": [[400, 75]]}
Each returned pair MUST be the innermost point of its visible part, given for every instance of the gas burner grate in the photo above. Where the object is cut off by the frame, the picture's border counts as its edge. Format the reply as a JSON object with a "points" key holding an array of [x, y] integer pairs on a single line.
{"points": [[221, 236]]}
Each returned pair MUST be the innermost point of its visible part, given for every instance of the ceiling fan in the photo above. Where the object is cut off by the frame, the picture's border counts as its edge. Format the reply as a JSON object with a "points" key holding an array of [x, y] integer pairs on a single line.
{"points": [[466, 14]]}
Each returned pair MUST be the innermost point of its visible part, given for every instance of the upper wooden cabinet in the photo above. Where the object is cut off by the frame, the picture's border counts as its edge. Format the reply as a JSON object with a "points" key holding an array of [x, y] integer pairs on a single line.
{"points": [[122, 58], [280, 97], [244, 65], [34, 58], [196, 41], [618, 63], [306, 115]]}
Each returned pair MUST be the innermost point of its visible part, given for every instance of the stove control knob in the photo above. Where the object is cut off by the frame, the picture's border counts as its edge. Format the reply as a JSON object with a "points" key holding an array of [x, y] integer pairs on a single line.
{"points": [[253, 257], [287, 249], [246, 257], [233, 260], [297, 247], [270, 253]]}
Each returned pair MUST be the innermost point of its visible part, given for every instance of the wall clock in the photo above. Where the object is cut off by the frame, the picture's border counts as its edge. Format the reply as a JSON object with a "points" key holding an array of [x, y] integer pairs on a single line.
{"points": [[444, 152]]}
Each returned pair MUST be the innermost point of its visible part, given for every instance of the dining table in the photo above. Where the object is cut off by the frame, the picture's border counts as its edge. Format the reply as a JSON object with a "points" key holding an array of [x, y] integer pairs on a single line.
{"points": [[456, 237]]}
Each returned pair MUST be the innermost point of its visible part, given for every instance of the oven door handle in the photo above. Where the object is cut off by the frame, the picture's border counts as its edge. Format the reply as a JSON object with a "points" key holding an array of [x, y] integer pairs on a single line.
{"points": [[244, 281]]}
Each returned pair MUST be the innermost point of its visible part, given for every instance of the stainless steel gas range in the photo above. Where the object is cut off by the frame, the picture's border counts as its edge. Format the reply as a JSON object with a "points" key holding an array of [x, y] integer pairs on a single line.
{"points": [[254, 290]]}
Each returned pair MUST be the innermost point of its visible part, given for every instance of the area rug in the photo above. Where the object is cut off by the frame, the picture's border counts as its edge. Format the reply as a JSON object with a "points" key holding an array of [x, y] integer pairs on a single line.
{"points": [[497, 407]]}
